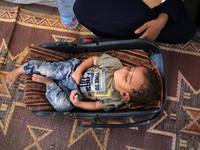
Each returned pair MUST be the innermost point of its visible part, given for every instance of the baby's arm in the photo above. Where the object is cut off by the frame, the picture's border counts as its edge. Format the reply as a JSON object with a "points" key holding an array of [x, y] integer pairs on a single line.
{"points": [[77, 75], [83, 104]]}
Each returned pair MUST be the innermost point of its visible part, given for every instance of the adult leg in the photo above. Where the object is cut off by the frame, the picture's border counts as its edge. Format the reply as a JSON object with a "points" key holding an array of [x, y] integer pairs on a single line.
{"points": [[119, 19], [113, 18]]}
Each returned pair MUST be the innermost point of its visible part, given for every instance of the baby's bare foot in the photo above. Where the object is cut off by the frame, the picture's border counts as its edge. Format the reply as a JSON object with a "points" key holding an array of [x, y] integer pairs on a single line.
{"points": [[42, 79], [14, 75]]}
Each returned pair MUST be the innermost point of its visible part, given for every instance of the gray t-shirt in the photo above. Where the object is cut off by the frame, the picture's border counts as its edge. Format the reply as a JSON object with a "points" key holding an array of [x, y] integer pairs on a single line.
{"points": [[98, 83]]}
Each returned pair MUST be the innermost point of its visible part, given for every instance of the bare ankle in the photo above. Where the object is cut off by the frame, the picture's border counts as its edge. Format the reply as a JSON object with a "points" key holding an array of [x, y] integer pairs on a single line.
{"points": [[21, 69]]}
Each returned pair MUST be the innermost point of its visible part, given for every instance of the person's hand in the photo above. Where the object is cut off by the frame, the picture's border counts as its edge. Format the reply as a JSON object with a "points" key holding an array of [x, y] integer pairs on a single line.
{"points": [[74, 98], [152, 28], [77, 76]]}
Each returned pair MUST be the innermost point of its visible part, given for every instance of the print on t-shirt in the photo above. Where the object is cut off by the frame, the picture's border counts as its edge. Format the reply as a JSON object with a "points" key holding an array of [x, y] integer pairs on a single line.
{"points": [[93, 81]]}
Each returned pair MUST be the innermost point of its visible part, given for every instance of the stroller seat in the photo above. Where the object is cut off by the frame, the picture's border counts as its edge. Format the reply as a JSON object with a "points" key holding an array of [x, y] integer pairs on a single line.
{"points": [[131, 53]]}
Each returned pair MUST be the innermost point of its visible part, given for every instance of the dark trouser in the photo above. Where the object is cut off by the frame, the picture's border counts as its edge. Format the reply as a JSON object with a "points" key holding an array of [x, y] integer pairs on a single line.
{"points": [[120, 18]]}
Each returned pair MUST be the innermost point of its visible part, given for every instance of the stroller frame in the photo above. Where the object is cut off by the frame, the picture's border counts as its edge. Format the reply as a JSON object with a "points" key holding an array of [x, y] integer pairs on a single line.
{"points": [[89, 118]]}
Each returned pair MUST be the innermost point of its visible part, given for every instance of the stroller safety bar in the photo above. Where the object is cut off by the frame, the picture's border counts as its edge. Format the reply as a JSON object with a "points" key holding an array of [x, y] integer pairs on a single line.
{"points": [[125, 125]]}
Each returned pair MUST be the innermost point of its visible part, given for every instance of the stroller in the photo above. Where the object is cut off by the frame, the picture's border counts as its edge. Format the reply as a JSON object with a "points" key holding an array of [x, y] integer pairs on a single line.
{"points": [[93, 118]]}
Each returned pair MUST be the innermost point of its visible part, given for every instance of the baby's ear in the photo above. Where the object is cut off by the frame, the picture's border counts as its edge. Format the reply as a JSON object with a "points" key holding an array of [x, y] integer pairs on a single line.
{"points": [[125, 95]]}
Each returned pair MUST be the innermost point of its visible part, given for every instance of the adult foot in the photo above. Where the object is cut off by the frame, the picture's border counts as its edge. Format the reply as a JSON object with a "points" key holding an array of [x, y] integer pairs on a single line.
{"points": [[14, 75], [42, 79]]}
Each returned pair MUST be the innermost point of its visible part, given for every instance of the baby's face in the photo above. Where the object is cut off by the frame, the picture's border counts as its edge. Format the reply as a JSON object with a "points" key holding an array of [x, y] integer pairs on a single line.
{"points": [[128, 78]]}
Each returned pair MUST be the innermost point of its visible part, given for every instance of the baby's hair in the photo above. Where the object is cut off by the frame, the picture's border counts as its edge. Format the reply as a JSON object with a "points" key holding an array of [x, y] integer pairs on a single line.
{"points": [[149, 91]]}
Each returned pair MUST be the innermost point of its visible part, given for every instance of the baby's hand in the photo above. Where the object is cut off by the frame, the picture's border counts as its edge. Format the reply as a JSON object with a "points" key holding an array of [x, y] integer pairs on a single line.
{"points": [[74, 98], [77, 76]]}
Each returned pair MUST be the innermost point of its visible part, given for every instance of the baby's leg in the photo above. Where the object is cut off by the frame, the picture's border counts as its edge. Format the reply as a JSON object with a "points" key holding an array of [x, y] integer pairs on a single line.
{"points": [[14, 75], [42, 79]]}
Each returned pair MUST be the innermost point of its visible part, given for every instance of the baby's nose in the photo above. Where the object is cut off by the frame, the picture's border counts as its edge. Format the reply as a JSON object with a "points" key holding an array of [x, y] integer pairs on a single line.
{"points": [[124, 71]]}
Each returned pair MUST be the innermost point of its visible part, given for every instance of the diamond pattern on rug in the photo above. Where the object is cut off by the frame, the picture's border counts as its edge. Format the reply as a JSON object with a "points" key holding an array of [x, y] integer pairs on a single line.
{"points": [[182, 117], [100, 135], [8, 93], [38, 134]]}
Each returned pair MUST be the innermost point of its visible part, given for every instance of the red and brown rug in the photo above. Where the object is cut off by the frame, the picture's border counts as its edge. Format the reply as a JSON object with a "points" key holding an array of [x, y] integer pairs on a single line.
{"points": [[178, 128]]}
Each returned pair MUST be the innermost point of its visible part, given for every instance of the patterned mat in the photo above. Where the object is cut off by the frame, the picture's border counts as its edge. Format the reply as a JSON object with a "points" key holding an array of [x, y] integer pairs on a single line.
{"points": [[178, 128]]}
